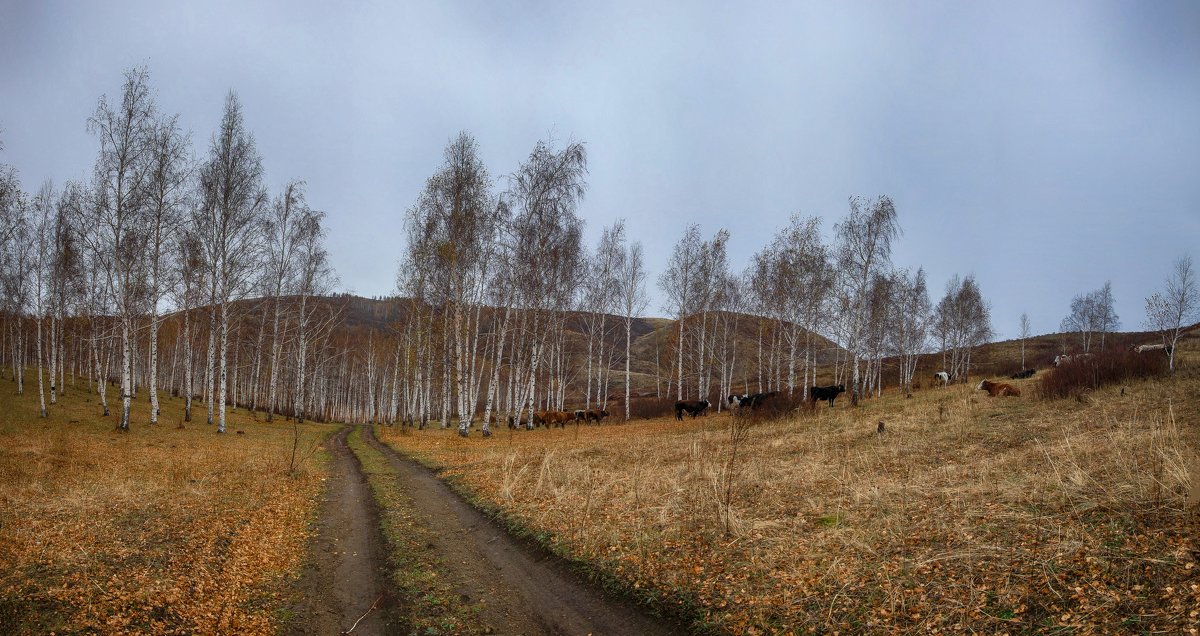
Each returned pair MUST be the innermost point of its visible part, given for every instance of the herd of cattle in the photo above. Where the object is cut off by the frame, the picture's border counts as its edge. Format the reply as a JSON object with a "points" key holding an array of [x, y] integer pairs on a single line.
{"points": [[753, 401], [560, 419]]}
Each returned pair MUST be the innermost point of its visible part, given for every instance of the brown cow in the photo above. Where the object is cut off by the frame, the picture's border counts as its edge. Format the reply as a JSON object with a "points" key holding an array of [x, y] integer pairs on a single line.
{"points": [[999, 389], [554, 418], [596, 415]]}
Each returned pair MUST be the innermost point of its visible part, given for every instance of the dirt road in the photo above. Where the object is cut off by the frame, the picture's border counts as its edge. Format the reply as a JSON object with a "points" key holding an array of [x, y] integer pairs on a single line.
{"points": [[521, 589], [345, 573]]}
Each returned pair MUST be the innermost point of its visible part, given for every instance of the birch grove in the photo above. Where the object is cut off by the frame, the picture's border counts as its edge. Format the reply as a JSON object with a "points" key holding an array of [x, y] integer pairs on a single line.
{"points": [[164, 272]]}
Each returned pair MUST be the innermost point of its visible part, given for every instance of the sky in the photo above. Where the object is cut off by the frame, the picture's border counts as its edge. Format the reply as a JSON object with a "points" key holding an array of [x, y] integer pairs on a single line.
{"points": [[1045, 147]]}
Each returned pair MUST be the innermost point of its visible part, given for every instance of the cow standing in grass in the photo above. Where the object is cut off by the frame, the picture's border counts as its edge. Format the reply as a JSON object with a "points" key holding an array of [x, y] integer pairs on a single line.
{"points": [[827, 393], [692, 407]]}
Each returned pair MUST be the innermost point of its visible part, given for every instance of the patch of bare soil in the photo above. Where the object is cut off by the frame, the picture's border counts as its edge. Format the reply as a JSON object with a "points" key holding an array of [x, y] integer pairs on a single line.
{"points": [[520, 588], [343, 587]]}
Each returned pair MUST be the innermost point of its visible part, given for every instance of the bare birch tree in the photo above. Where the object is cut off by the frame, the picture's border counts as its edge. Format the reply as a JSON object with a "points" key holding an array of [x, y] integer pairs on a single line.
{"points": [[233, 201], [678, 283], [281, 230], [864, 249], [118, 226], [1092, 314], [544, 195], [451, 233], [1169, 311], [962, 322], [632, 300], [167, 189], [1023, 331]]}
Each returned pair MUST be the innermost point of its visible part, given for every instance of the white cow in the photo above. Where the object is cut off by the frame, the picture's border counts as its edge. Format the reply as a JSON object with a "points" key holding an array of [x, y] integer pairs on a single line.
{"points": [[943, 377]]}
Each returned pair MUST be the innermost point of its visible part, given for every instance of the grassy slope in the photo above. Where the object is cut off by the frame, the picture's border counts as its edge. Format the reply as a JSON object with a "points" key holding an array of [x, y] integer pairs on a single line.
{"points": [[159, 530], [969, 513]]}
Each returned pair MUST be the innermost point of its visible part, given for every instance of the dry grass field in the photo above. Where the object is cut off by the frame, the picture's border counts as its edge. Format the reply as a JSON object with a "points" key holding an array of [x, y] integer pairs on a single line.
{"points": [[160, 530], [968, 514]]}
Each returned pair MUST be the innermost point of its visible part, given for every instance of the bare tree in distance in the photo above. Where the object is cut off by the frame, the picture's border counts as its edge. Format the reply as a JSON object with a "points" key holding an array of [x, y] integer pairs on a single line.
{"points": [[544, 195], [451, 230], [167, 193], [678, 282], [1024, 331], [864, 249], [1092, 314], [282, 224], [909, 331], [1169, 311], [632, 299], [962, 322], [42, 235]]}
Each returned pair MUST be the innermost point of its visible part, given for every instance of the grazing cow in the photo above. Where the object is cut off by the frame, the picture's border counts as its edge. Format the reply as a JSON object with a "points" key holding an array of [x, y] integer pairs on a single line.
{"points": [[595, 415], [998, 389], [1021, 375], [1153, 347], [828, 393], [942, 377], [693, 407], [554, 419], [752, 401]]}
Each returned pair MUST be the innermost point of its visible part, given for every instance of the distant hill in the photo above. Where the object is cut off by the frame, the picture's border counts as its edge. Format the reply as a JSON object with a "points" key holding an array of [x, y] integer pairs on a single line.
{"points": [[653, 342]]}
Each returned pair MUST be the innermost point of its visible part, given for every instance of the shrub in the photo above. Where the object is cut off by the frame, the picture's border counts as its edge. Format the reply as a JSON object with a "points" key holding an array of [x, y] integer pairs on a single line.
{"points": [[1092, 372]]}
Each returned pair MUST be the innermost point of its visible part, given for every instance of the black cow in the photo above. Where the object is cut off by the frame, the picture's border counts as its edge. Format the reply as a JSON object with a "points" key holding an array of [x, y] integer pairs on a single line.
{"points": [[693, 407], [829, 393], [1021, 375], [753, 401]]}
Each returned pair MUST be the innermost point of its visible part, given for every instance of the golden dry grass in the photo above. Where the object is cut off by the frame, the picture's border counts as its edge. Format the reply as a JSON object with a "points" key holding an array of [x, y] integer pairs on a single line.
{"points": [[968, 514], [160, 530]]}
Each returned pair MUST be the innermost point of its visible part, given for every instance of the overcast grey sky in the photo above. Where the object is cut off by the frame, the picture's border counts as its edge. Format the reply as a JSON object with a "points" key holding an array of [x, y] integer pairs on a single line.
{"points": [[1045, 147]]}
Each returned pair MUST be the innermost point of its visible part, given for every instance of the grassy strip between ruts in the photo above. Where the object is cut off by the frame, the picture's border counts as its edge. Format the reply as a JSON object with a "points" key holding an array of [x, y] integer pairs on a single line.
{"points": [[428, 603], [676, 605]]}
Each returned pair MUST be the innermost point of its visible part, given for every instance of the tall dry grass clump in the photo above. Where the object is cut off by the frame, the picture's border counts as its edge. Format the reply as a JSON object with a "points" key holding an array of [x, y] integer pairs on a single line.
{"points": [[1081, 375]]}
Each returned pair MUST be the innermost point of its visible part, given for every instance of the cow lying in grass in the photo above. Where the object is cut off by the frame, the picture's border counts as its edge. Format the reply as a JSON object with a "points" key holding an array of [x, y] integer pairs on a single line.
{"points": [[692, 407], [1021, 375], [999, 389], [827, 393]]}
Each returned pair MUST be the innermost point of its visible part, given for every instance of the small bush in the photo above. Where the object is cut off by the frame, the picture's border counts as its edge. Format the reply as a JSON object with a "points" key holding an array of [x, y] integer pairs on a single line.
{"points": [[1074, 378]]}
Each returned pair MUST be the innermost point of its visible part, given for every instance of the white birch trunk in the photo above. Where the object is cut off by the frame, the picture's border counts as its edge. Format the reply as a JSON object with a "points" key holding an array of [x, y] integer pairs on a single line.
{"points": [[41, 387], [223, 389]]}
